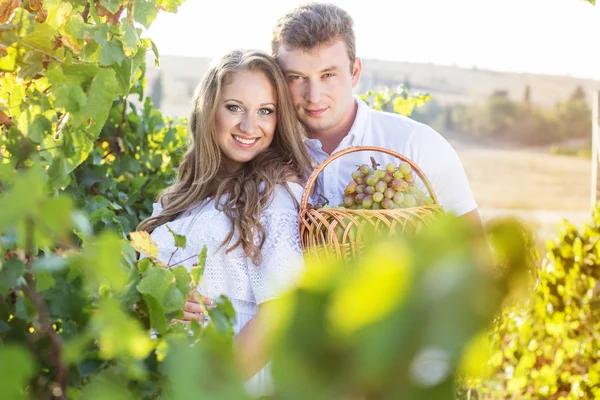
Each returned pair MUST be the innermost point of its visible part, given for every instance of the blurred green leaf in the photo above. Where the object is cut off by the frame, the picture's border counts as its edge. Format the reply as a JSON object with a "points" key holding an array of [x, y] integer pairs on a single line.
{"points": [[145, 13], [16, 367]]}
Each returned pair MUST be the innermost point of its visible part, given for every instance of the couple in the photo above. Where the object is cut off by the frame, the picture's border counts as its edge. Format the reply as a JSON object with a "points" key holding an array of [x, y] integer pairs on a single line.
{"points": [[258, 124]]}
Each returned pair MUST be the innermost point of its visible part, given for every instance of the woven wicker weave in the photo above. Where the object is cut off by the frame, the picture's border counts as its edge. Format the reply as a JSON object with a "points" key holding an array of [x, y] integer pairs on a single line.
{"points": [[340, 232]]}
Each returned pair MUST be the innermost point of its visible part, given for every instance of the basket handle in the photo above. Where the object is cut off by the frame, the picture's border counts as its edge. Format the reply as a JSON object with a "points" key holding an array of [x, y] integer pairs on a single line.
{"points": [[319, 168]]}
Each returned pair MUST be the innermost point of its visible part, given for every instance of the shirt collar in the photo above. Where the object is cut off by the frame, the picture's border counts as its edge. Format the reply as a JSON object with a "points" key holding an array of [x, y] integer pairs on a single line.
{"points": [[359, 126]]}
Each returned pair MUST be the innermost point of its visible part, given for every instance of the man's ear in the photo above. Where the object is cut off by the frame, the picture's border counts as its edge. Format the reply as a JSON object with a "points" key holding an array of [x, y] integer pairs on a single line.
{"points": [[356, 71]]}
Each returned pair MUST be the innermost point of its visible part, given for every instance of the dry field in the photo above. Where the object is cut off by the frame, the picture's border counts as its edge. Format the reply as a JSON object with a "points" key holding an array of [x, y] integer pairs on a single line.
{"points": [[533, 185]]}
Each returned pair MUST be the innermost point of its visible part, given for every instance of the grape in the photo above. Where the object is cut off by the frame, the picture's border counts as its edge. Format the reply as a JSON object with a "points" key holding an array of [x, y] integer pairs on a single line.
{"points": [[380, 186], [398, 175], [357, 175], [367, 201], [410, 200], [350, 188], [376, 206], [427, 201], [360, 181], [365, 169], [399, 185], [388, 177], [372, 180], [380, 173], [387, 204], [408, 177], [391, 168], [398, 198], [358, 199], [413, 190], [389, 193], [370, 189], [405, 168], [348, 201], [377, 197], [360, 189]]}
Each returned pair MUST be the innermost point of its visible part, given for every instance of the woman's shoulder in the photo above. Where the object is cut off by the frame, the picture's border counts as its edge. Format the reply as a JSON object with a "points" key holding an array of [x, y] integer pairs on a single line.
{"points": [[287, 195]]}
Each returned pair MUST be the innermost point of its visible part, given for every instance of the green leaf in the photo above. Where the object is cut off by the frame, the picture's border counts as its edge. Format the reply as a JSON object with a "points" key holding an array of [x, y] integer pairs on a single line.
{"points": [[8, 62], [10, 273], [41, 38], [112, 5], [169, 5], [131, 39], [22, 199], [103, 90], [197, 272], [119, 335], [75, 99], [111, 53], [156, 313], [58, 14], [52, 263], [182, 276], [16, 368], [39, 129], [223, 316], [155, 51], [145, 13], [59, 173], [43, 281], [161, 284], [15, 101], [104, 262], [180, 240]]}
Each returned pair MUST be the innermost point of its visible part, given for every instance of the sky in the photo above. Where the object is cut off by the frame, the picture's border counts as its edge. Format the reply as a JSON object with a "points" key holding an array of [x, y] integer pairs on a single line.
{"points": [[558, 37]]}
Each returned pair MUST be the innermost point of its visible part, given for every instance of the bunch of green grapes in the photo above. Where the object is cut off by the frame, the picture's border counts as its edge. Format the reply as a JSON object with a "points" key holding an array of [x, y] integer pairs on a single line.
{"points": [[375, 189]]}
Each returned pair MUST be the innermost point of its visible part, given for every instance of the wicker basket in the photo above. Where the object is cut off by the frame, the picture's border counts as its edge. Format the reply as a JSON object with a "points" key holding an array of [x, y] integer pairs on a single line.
{"points": [[340, 231]]}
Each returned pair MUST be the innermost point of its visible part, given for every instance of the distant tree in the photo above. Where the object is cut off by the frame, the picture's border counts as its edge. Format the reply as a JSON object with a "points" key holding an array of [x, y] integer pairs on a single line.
{"points": [[527, 95], [578, 94], [157, 92]]}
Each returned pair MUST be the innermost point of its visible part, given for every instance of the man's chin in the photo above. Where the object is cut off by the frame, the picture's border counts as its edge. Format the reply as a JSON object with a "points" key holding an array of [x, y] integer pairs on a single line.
{"points": [[311, 126]]}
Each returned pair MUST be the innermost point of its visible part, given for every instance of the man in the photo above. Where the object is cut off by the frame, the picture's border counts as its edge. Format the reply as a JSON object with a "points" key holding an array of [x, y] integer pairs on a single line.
{"points": [[315, 46]]}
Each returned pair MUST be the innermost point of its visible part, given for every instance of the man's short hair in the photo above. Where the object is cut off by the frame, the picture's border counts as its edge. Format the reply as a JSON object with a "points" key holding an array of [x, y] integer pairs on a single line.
{"points": [[312, 25]]}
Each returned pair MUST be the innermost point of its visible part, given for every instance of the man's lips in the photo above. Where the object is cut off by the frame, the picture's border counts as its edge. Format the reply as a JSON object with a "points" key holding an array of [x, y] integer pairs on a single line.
{"points": [[315, 111]]}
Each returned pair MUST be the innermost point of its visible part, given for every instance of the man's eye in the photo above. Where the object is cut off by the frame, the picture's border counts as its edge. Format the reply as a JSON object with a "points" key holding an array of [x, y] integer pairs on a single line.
{"points": [[328, 75], [295, 77], [265, 111], [234, 108]]}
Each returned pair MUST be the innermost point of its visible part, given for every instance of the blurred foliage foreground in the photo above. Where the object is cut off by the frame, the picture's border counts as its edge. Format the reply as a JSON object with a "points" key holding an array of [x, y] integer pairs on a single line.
{"points": [[81, 160]]}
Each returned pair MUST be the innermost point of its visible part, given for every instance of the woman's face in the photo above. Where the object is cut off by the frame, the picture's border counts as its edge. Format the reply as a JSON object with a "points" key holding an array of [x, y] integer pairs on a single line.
{"points": [[246, 117]]}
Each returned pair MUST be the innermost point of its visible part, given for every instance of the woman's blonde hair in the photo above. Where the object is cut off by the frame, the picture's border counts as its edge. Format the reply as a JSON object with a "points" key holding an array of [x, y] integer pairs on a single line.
{"points": [[242, 195]]}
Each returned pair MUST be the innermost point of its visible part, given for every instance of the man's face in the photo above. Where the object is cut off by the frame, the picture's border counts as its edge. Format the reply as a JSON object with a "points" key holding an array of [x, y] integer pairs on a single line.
{"points": [[321, 82]]}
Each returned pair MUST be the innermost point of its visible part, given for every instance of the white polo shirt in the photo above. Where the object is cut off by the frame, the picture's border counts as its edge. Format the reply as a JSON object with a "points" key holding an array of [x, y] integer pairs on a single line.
{"points": [[418, 142]]}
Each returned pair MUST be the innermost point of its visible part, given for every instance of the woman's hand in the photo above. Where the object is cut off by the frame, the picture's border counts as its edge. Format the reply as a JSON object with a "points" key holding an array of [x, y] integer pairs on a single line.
{"points": [[195, 310]]}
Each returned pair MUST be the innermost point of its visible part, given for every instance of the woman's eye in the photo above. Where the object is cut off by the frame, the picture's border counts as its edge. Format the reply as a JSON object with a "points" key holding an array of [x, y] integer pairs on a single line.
{"points": [[265, 111], [234, 108]]}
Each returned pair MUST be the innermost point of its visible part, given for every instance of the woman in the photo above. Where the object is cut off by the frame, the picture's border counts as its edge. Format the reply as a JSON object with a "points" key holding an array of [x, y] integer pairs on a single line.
{"points": [[237, 192]]}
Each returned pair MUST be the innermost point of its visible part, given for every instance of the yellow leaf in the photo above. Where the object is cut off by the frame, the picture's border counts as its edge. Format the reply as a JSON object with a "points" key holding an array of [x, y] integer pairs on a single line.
{"points": [[143, 243], [374, 289]]}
